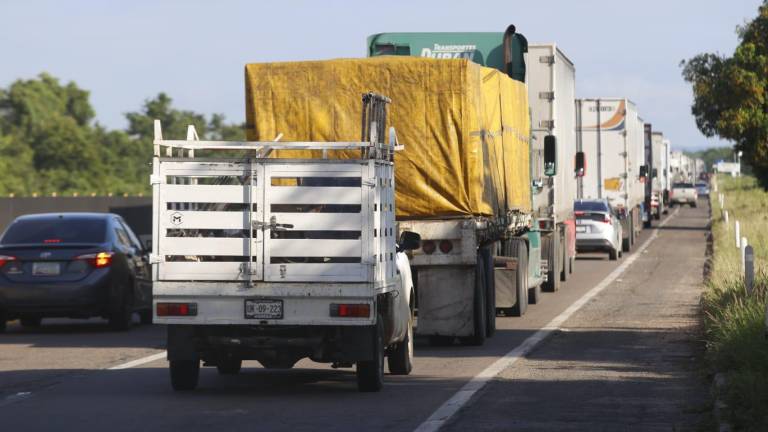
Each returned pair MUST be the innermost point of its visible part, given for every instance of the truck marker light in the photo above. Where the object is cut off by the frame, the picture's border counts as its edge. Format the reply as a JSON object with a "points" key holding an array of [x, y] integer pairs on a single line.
{"points": [[49, 241], [446, 246], [176, 309], [351, 310], [428, 246]]}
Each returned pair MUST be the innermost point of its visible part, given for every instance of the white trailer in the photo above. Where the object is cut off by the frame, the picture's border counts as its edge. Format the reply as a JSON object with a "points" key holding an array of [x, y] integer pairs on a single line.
{"points": [[551, 79], [611, 135], [273, 259]]}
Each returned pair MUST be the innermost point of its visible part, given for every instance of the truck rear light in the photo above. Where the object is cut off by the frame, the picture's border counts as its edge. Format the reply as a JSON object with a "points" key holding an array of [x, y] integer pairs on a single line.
{"points": [[446, 246], [428, 246], [176, 309], [351, 310], [97, 260], [5, 258], [542, 224]]}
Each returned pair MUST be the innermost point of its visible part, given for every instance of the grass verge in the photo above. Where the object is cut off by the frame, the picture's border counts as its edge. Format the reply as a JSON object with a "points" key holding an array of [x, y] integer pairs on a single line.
{"points": [[735, 321]]}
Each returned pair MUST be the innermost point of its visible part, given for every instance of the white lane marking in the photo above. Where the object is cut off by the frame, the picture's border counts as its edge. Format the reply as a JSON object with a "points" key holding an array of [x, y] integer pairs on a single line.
{"points": [[141, 361], [463, 396]]}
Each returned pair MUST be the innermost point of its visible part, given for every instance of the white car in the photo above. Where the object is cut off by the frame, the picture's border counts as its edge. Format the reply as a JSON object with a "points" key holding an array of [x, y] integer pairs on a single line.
{"points": [[597, 227]]}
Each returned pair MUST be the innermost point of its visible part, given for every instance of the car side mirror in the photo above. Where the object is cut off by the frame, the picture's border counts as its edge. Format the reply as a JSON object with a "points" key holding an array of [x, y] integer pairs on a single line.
{"points": [[408, 241], [147, 244], [580, 164], [550, 155]]}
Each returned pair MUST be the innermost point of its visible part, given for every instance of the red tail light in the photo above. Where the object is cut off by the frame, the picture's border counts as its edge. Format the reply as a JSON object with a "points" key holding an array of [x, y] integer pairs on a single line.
{"points": [[5, 258], [446, 246], [606, 219], [578, 213], [355, 310], [49, 241], [97, 260], [176, 309], [428, 246]]}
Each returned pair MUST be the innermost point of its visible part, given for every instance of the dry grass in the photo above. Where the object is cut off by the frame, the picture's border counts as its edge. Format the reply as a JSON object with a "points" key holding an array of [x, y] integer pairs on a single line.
{"points": [[734, 321]]}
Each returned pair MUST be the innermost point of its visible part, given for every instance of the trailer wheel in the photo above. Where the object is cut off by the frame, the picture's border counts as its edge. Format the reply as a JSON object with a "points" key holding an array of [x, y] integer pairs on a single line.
{"points": [[370, 373], [521, 281], [551, 246], [400, 358], [229, 366], [564, 259], [479, 306], [490, 292], [184, 374]]}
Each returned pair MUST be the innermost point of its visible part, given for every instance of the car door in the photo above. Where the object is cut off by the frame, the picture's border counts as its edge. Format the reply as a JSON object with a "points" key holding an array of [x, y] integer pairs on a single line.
{"points": [[136, 261]]}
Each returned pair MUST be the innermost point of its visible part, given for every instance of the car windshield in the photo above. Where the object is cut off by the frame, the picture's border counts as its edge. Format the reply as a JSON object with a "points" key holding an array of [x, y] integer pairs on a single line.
{"points": [[598, 206], [682, 185], [701, 185], [56, 231]]}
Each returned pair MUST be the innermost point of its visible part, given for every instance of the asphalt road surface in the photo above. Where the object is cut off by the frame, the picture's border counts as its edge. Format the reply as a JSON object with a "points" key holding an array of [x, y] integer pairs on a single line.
{"points": [[615, 349]]}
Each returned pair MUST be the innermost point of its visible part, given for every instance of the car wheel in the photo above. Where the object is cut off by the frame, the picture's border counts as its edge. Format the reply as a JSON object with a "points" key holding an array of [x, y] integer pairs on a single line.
{"points": [[613, 254], [400, 358], [184, 374], [145, 316], [229, 366], [31, 322], [370, 373], [121, 317]]}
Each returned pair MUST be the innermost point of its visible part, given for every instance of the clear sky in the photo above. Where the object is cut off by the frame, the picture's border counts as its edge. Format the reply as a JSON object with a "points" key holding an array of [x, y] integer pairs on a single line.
{"points": [[126, 52]]}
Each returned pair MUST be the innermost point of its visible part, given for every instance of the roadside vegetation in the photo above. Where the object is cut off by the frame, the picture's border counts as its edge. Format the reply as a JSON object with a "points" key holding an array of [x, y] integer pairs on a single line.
{"points": [[735, 321], [50, 142]]}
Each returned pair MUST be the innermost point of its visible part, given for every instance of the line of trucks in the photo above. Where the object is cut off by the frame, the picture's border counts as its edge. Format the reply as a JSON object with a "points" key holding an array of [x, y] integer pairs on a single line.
{"points": [[345, 227]]}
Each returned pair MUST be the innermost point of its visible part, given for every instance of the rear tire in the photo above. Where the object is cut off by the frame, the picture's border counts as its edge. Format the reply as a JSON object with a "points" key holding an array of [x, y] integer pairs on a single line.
{"points": [[121, 317], [33, 322], [370, 373], [490, 292], [521, 280], [184, 374], [564, 259], [400, 359], [479, 307], [145, 316], [693, 205], [551, 249], [613, 255], [229, 366]]}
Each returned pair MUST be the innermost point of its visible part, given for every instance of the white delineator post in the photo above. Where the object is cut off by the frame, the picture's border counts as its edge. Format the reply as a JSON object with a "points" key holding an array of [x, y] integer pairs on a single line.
{"points": [[738, 234], [725, 219]]}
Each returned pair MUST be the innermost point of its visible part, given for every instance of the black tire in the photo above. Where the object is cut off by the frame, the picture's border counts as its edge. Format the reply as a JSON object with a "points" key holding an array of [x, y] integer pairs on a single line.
{"points": [[479, 308], [3, 323], [400, 358], [693, 205], [490, 292], [370, 373], [657, 215], [521, 280], [31, 322], [613, 255], [229, 366], [121, 317], [625, 246], [632, 229], [145, 315], [184, 374], [551, 247], [621, 254], [564, 260], [571, 264]]}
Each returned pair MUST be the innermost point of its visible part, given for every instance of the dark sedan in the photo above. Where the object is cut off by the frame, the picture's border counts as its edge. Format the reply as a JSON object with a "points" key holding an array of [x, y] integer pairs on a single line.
{"points": [[76, 265]]}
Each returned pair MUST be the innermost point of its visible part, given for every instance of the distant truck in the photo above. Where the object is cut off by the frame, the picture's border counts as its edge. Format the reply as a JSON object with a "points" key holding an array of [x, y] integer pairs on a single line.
{"points": [[275, 259], [611, 135], [660, 174], [550, 77]]}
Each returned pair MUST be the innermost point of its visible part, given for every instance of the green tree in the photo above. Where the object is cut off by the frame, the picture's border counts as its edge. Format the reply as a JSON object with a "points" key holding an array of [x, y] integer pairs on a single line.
{"points": [[731, 94]]}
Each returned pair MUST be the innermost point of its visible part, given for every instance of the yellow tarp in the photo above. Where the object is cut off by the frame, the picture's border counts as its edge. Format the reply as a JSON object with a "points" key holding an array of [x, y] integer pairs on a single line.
{"points": [[465, 127]]}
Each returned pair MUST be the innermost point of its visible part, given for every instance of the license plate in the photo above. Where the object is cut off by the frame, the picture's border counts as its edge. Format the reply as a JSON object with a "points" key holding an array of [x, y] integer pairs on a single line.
{"points": [[581, 229], [46, 269], [264, 309]]}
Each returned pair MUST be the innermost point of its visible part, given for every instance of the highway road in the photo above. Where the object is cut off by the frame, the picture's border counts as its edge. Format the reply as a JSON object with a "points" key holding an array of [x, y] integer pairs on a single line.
{"points": [[613, 350]]}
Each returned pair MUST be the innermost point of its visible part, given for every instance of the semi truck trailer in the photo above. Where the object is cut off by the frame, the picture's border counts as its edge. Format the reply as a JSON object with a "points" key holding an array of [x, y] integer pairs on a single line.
{"points": [[463, 179], [611, 135], [659, 172], [549, 75]]}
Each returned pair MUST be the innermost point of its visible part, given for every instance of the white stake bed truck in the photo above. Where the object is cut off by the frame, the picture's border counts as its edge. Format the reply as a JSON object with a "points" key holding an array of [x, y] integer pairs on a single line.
{"points": [[275, 260]]}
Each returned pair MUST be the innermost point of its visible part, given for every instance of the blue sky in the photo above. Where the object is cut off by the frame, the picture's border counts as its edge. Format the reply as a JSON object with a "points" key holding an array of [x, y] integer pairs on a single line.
{"points": [[126, 52]]}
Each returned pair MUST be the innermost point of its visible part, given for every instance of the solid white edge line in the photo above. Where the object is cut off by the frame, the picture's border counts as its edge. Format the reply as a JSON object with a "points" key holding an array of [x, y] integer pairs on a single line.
{"points": [[463, 396], [140, 361]]}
